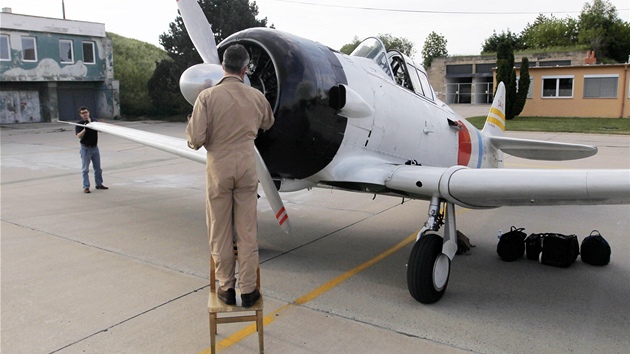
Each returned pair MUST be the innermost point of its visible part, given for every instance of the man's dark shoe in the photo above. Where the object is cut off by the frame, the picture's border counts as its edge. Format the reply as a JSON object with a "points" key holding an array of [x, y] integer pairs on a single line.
{"points": [[86, 190], [250, 299], [228, 296], [101, 187]]}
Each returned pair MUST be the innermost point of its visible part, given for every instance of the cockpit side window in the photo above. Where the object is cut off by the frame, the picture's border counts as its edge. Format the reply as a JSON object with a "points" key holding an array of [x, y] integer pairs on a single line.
{"points": [[373, 48], [428, 90], [400, 70], [415, 80]]}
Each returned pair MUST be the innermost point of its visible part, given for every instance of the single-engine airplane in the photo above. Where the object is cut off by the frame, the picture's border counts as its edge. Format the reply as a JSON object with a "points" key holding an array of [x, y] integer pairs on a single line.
{"points": [[370, 122]]}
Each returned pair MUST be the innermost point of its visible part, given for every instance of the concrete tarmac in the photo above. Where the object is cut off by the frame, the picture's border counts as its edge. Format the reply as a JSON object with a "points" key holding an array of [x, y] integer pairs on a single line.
{"points": [[126, 270]]}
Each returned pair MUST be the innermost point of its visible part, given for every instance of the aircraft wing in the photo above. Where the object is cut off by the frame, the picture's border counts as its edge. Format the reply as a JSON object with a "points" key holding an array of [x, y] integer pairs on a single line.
{"points": [[473, 188], [490, 187], [179, 147], [541, 150], [172, 145]]}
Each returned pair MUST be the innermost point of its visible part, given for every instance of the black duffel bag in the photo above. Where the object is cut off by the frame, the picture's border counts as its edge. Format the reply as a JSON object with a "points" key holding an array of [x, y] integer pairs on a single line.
{"points": [[595, 250], [533, 246], [511, 245], [559, 250]]}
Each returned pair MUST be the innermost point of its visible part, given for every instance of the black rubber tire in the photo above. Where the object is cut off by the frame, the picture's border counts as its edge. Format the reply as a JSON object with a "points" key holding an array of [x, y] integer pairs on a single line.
{"points": [[420, 269]]}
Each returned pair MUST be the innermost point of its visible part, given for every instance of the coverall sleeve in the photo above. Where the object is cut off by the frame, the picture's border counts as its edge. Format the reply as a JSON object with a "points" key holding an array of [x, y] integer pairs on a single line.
{"points": [[197, 129], [268, 118]]}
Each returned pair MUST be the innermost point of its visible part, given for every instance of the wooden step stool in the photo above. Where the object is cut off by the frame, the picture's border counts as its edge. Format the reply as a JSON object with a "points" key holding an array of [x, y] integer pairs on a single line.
{"points": [[233, 313]]}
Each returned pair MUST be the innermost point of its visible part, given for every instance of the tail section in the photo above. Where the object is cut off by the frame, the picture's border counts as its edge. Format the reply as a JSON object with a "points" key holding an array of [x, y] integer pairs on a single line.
{"points": [[496, 143], [495, 123]]}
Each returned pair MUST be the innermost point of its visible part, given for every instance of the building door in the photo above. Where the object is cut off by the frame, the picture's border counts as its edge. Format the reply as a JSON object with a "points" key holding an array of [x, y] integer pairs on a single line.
{"points": [[70, 99]]}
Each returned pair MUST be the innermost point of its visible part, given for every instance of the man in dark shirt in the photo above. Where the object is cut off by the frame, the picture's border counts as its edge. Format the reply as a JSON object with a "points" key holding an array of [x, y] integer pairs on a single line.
{"points": [[89, 152]]}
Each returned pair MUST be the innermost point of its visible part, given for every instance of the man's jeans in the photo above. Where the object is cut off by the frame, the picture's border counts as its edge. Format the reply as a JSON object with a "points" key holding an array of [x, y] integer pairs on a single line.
{"points": [[91, 154]]}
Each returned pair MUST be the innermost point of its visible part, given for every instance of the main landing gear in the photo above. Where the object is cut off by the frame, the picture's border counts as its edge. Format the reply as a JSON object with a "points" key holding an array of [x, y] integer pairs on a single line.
{"points": [[429, 265]]}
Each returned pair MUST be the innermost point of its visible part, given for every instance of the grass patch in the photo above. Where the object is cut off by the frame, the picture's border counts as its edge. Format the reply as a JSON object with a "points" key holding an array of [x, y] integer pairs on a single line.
{"points": [[563, 124]]}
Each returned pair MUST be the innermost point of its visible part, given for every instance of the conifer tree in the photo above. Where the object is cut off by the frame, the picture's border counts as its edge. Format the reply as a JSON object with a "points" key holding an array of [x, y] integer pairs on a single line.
{"points": [[506, 74]]}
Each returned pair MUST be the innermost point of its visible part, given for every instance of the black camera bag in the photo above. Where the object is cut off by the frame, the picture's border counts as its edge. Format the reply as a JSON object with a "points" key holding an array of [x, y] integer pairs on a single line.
{"points": [[511, 245], [533, 246], [595, 250], [559, 250]]}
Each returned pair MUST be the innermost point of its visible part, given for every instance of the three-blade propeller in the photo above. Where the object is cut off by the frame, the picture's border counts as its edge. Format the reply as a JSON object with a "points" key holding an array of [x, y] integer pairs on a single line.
{"points": [[202, 76]]}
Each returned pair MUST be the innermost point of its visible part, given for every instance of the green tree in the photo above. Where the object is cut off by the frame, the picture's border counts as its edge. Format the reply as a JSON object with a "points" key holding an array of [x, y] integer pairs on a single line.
{"points": [[226, 17], [401, 44], [514, 101], [506, 74], [434, 47], [597, 24], [523, 87], [491, 44], [619, 46], [165, 79], [134, 65], [350, 47], [547, 32]]}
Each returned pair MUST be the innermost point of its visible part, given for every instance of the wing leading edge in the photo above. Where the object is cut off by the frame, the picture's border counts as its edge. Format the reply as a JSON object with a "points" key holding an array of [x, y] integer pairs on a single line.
{"points": [[490, 188], [172, 145], [487, 188]]}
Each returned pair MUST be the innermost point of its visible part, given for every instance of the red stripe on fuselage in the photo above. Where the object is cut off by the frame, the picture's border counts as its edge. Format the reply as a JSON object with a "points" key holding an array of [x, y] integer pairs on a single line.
{"points": [[465, 146]]}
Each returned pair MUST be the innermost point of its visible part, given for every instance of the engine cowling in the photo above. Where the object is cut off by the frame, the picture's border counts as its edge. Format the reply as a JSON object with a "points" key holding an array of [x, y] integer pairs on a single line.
{"points": [[296, 75]]}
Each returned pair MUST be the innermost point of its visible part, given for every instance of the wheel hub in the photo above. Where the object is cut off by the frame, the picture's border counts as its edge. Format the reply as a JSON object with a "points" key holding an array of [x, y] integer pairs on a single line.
{"points": [[441, 269]]}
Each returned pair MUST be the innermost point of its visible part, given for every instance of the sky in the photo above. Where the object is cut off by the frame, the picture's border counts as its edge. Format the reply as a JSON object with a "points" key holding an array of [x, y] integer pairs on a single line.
{"points": [[464, 24]]}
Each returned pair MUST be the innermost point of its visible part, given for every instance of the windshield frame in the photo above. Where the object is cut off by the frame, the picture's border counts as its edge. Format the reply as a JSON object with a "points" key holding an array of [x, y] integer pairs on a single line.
{"points": [[374, 49]]}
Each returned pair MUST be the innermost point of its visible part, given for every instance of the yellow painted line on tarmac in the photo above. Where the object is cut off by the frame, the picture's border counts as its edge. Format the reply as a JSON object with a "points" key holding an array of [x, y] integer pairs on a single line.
{"points": [[270, 318], [340, 279]]}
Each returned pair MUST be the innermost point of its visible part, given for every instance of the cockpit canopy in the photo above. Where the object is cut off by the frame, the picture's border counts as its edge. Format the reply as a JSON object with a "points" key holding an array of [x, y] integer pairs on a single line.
{"points": [[397, 66], [373, 48]]}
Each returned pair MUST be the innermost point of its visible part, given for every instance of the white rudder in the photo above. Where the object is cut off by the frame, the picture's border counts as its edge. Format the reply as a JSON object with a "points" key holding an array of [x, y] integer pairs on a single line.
{"points": [[495, 123]]}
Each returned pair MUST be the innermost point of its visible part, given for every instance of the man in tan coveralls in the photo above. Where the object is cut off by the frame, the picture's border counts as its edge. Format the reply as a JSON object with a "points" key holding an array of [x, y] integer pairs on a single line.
{"points": [[225, 120]]}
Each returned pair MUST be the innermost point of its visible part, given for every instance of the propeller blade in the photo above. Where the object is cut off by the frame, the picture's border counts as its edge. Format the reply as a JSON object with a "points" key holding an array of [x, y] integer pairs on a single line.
{"points": [[272, 193], [199, 30], [200, 33]]}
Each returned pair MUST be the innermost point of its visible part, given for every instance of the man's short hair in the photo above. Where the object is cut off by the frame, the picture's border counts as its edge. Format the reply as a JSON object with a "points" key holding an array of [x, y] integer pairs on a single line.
{"points": [[83, 108], [235, 58]]}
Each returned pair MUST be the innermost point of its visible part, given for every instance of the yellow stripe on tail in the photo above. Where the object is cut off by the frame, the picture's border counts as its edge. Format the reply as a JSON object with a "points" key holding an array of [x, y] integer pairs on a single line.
{"points": [[495, 123]]}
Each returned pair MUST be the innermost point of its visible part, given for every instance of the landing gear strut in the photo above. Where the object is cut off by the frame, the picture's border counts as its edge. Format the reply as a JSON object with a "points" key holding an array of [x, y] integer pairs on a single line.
{"points": [[429, 263]]}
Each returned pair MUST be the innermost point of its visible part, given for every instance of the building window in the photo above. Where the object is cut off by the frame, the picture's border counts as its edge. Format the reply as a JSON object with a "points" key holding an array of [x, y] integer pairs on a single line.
{"points": [[5, 53], [88, 53], [530, 90], [29, 49], [559, 86], [600, 86], [66, 54], [459, 69]]}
